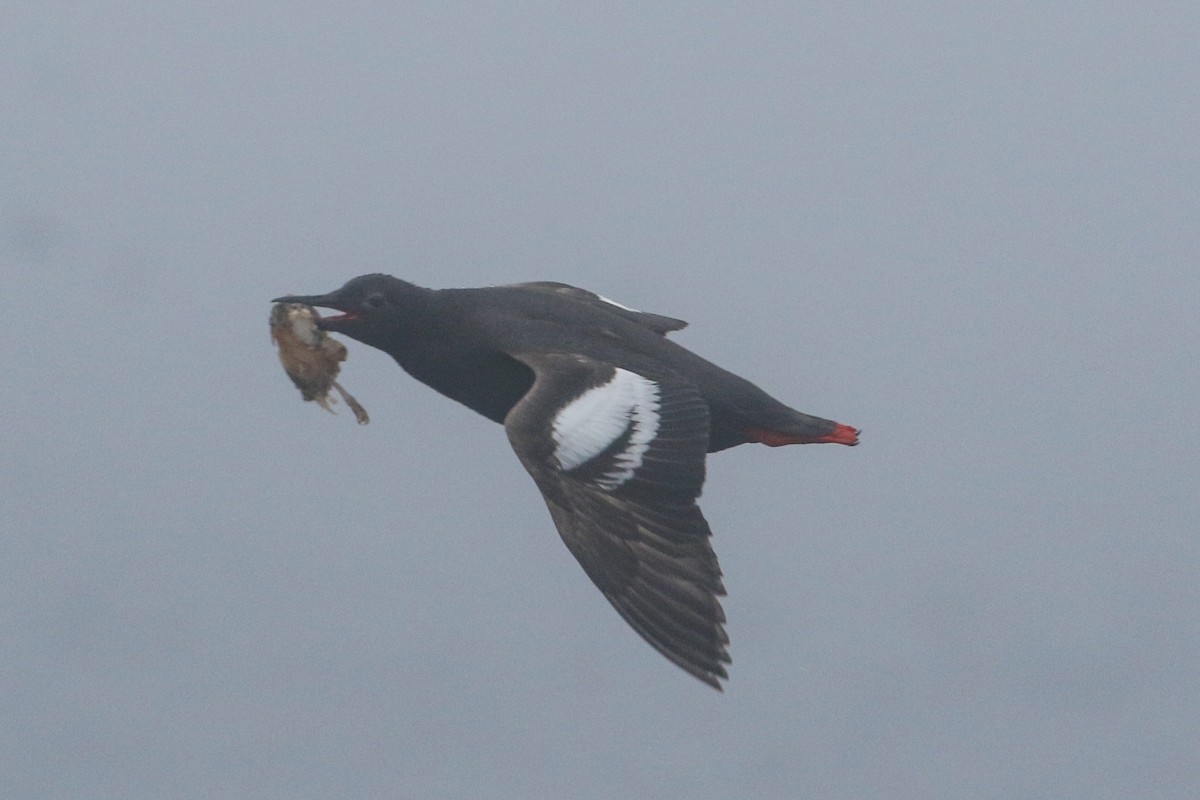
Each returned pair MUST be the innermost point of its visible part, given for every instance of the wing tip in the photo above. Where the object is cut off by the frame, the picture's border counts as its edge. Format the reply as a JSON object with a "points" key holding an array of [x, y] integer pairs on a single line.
{"points": [[711, 677]]}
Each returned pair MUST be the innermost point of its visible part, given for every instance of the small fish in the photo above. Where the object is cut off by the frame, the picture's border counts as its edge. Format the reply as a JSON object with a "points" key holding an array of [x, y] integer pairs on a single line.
{"points": [[310, 357]]}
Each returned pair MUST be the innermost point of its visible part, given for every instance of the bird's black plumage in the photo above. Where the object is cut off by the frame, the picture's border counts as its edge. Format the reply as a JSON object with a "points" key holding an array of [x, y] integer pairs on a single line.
{"points": [[610, 418]]}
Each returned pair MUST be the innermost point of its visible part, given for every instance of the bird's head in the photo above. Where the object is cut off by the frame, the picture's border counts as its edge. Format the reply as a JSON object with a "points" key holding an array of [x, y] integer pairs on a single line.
{"points": [[374, 308]]}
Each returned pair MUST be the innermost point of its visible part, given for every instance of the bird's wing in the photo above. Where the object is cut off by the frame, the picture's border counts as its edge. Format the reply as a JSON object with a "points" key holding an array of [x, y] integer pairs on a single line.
{"points": [[655, 322], [619, 458]]}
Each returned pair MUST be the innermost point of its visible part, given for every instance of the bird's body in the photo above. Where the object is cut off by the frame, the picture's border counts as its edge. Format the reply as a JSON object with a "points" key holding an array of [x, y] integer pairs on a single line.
{"points": [[610, 418]]}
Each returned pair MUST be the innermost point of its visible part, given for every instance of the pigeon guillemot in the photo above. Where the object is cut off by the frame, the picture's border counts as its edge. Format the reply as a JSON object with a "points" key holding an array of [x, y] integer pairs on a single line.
{"points": [[610, 418]]}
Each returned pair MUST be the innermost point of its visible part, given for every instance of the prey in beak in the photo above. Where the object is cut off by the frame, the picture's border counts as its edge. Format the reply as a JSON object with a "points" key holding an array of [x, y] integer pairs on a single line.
{"points": [[309, 356]]}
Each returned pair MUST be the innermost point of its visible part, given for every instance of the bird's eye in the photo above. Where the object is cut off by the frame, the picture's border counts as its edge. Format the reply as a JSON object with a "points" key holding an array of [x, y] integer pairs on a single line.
{"points": [[375, 301]]}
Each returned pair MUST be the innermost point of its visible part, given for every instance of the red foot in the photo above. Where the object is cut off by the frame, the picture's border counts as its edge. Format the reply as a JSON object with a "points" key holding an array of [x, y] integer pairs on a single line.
{"points": [[842, 434]]}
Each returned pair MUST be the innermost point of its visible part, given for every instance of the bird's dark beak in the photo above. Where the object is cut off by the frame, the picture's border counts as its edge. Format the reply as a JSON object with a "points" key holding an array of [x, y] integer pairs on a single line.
{"points": [[320, 301]]}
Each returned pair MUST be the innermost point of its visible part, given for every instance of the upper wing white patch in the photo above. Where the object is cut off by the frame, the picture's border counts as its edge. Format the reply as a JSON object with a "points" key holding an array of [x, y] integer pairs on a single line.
{"points": [[589, 424], [615, 303]]}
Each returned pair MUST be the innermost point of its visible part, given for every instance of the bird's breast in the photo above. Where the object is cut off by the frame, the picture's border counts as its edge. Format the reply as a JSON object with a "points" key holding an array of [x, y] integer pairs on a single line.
{"points": [[489, 383]]}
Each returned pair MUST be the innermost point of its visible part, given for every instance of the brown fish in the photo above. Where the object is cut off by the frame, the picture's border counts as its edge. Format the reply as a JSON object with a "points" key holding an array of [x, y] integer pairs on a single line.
{"points": [[311, 357]]}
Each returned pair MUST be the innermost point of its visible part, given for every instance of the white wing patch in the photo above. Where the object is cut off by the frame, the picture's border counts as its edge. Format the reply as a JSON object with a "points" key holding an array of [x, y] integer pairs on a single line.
{"points": [[589, 424], [615, 303]]}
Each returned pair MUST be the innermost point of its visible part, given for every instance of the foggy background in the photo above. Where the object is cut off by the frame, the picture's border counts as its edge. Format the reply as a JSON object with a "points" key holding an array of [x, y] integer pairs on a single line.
{"points": [[970, 229]]}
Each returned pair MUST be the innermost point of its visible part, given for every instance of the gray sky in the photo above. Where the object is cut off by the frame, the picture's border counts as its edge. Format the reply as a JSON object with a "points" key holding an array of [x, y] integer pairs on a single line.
{"points": [[971, 230]]}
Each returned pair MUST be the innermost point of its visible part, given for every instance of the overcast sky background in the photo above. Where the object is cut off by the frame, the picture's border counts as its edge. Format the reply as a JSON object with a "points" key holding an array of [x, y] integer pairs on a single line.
{"points": [[970, 229]]}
